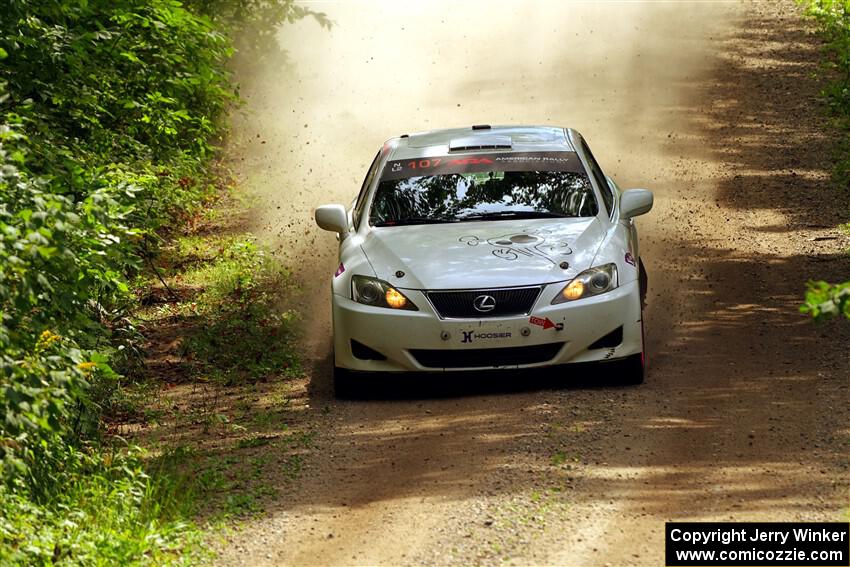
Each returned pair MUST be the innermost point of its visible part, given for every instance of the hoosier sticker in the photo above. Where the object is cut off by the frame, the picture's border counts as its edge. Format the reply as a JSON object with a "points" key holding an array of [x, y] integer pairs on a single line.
{"points": [[471, 336]]}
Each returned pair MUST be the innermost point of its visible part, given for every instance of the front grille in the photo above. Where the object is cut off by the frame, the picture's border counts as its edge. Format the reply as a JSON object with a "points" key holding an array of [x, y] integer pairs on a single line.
{"points": [[486, 357], [461, 304]]}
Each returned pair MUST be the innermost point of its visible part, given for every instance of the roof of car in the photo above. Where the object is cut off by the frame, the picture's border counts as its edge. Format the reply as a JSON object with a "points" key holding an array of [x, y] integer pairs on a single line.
{"points": [[480, 137]]}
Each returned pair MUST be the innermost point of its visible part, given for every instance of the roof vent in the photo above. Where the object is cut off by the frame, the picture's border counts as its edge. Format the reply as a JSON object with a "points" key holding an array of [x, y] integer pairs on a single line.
{"points": [[480, 143], [480, 126]]}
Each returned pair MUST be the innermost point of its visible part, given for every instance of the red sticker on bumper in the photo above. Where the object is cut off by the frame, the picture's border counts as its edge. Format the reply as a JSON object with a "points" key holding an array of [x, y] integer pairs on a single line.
{"points": [[546, 323], [339, 270]]}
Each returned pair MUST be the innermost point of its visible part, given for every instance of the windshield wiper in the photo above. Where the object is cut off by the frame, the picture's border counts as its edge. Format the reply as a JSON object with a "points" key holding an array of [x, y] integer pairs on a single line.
{"points": [[513, 215], [413, 220]]}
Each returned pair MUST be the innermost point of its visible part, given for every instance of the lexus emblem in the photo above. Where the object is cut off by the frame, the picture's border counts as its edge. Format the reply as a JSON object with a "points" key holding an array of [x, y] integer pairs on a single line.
{"points": [[484, 303]]}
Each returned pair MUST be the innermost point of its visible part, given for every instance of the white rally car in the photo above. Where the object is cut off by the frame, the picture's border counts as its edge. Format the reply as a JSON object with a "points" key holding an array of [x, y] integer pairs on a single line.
{"points": [[487, 248]]}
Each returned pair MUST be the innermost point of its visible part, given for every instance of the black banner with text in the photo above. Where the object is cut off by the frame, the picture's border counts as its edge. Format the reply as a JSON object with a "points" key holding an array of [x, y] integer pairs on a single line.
{"points": [[763, 544], [480, 163]]}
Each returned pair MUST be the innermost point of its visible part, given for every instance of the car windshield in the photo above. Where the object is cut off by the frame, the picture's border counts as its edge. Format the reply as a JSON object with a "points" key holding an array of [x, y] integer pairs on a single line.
{"points": [[483, 195]]}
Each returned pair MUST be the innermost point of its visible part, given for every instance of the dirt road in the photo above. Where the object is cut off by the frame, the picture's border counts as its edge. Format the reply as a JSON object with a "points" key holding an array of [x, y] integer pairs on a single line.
{"points": [[745, 411]]}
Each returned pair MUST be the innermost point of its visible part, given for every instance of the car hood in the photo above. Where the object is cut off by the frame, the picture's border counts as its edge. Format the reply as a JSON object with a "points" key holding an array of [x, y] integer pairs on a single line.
{"points": [[475, 255]]}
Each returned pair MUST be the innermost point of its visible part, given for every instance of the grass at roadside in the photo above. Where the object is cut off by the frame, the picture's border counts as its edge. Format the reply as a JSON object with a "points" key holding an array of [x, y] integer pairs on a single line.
{"points": [[114, 507], [217, 293], [206, 406], [110, 119], [213, 396]]}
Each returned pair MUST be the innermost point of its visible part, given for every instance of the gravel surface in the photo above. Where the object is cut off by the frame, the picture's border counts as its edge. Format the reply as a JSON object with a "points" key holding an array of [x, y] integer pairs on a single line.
{"points": [[744, 415]]}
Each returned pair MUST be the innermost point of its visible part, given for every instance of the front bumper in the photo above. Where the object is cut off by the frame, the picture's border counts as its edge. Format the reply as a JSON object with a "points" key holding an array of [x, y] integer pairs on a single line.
{"points": [[409, 341]]}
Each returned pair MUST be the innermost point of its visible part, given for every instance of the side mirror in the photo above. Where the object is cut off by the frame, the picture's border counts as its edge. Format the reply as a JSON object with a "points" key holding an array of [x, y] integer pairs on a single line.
{"points": [[635, 202], [333, 218]]}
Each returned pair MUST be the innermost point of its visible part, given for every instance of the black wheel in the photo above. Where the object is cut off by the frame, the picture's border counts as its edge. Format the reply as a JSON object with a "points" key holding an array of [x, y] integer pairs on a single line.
{"points": [[345, 384], [632, 370]]}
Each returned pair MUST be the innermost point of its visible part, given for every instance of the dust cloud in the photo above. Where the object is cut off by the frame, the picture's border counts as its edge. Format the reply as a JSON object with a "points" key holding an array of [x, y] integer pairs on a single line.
{"points": [[315, 115]]}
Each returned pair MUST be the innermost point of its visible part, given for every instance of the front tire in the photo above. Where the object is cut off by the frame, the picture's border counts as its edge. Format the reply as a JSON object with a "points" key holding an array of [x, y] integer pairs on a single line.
{"points": [[344, 384], [632, 370]]}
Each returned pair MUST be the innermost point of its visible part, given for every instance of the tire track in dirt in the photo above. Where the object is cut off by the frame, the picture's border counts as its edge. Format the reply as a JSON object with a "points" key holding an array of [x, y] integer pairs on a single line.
{"points": [[712, 107]]}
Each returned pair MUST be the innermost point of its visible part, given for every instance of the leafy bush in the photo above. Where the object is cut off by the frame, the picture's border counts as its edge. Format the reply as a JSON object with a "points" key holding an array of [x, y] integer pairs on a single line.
{"points": [[56, 256], [108, 112], [109, 115], [824, 300], [833, 19], [109, 81]]}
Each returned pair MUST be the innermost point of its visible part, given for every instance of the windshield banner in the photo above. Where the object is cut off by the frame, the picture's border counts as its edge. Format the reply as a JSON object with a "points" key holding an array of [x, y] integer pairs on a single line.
{"points": [[478, 163]]}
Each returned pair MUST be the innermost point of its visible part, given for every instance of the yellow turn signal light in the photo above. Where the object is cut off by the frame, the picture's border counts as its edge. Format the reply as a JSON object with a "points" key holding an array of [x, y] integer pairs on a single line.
{"points": [[395, 299], [573, 291]]}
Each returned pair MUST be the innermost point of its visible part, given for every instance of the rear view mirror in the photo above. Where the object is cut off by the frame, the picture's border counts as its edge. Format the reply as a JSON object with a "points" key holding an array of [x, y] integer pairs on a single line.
{"points": [[333, 218], [635, 202]]}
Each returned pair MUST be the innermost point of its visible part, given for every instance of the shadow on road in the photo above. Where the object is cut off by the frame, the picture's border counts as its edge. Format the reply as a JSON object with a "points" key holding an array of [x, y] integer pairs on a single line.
{"points": [[436, 385]]}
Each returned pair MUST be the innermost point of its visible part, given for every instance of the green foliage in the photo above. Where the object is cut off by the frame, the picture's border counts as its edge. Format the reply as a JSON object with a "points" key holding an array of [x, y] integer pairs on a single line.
{"points": [[107, 115], [824, 300], [56, 258], [110, 512], [102, 82], [239, 268], [833, 19], [61, 261]]}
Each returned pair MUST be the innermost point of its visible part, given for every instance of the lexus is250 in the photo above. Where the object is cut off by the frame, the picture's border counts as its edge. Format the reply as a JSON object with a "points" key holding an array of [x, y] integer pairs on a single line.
{"points": [[487, 248]]}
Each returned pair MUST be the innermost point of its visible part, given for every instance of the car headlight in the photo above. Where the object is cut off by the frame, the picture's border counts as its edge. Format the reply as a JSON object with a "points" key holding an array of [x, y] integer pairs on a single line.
{"points": [[589, 283], [372, 291]]}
